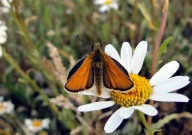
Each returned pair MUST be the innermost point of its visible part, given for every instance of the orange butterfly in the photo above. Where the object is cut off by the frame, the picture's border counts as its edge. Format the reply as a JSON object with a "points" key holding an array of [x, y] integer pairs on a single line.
{"points": [[100, 69]]}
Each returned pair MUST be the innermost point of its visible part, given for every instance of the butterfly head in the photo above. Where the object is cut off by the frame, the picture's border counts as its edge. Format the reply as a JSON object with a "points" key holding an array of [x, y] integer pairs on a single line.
{"points": [[96, 46]]}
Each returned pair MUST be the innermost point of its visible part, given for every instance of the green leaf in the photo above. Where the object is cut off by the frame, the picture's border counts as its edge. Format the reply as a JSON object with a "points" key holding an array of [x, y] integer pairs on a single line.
{"points": [[146, 16], [156, 126], [164, 45], [164, 121], [21, 80]]}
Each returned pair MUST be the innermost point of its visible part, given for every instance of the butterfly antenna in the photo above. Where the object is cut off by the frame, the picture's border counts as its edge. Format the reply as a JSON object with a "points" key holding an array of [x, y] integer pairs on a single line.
{"points": [[109, 38], [84, 41]]}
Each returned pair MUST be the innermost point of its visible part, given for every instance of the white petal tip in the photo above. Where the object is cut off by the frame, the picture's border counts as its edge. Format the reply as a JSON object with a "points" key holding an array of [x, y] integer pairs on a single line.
{"points": [[186, 77], [155, 112], [143, 42], [186, 99], [169, 97], [81, 109], [114, 121], [112, 52], [174, 64], [139, 56], [125, 43], [147, 109], [109, 46], [164, 73]]}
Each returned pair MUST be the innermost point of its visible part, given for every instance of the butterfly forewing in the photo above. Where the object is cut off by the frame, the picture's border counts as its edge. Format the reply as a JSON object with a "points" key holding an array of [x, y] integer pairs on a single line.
{"points": [[75, 68], [115, 75], [81, 77]]}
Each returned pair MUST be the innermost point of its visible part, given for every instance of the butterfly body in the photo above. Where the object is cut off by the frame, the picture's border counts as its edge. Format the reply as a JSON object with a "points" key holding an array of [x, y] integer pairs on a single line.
{"points": [[98, 56], [100, 69]]}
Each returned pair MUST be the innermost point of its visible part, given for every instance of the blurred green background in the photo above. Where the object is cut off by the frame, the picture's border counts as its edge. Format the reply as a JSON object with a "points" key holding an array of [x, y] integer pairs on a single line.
{"points": [[31, 75]]}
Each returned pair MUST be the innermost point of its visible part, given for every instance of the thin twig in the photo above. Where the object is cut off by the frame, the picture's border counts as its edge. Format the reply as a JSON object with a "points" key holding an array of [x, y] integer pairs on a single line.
{"points": [[160, 36], [157, 44]]}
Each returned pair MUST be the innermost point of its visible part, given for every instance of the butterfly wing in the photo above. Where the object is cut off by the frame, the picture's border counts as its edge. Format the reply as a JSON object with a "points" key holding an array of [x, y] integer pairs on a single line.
{"points": [[115, 76], [81, 76]]}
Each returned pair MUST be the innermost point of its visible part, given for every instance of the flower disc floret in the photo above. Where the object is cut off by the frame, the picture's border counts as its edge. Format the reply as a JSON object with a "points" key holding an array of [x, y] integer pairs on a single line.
{"points": [[37, 123], [108, 2]]}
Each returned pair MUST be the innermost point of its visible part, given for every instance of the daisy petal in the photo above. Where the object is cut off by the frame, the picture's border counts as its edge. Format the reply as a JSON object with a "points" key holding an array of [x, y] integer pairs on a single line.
{"points": [[126, 112], [112, 52], [114, 121], [103, 8], [6, 3], [171, 84], [126, 56], [169, 97], [3, 39], [99, 2], [147, 109], [3, 28], [164, 73], [95, 106], [1, 97], [92, 92], [45, 123], [4, 10], [138, 57], [114, 5], [28, 122], [10, 107]]}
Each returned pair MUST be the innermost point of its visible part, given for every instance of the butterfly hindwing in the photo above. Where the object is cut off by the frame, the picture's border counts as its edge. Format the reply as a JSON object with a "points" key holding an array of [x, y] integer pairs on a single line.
{"points": [[115, 75], [81, 77]]}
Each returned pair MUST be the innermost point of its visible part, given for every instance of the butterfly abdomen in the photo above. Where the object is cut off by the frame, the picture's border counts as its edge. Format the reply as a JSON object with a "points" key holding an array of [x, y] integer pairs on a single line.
{"points": [[98, 70], [98, 76]]}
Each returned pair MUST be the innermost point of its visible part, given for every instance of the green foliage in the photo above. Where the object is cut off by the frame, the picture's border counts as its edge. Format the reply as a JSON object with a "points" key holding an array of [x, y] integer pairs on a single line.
{"points": [[164, 46]]}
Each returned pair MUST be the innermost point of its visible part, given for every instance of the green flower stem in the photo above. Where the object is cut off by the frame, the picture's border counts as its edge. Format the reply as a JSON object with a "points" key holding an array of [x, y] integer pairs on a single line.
{"points": [[21, 25], [12, 62], [53, 108], [30, 45], [142, 117], [153, 19]]}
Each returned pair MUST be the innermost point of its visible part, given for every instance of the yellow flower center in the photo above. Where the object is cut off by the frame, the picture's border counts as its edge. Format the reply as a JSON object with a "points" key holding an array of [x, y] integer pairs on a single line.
{"points": [[138, 95], [43, 133], [108, 2], [2, 106], [37, 123]]}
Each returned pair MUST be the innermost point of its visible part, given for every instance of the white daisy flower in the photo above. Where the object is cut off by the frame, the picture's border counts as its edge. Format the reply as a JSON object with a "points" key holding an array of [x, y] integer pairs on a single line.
{"points": [[158, 88], [3, 33], [37, 125], [106, 5], [5, 6], [5, 106]]}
